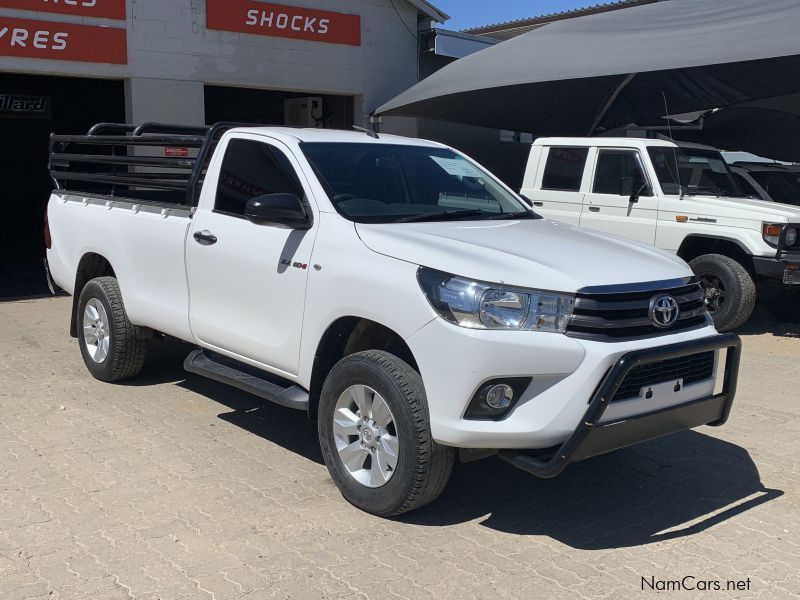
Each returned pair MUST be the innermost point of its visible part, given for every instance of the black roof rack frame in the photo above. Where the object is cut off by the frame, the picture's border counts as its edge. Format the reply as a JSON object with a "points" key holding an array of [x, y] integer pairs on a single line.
{"points": [[123, 155]]}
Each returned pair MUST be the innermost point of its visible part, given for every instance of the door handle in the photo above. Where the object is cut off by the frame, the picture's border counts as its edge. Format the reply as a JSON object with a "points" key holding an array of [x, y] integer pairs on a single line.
{"points": [[594, 208], [538, 203], [205, 237]]}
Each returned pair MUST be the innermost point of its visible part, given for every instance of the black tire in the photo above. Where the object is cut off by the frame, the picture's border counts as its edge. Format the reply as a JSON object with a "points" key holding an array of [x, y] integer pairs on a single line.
{"points": [[738, 287], [423, 466], [127, 343]]}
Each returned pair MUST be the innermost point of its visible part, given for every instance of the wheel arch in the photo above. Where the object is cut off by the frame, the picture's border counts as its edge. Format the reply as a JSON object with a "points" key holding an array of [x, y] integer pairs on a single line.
{"points": [[90, 266], [346, 336], [698, 244]]}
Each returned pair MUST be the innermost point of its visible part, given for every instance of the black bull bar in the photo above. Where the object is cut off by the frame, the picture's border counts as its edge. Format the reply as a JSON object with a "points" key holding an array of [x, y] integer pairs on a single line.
{"points": [[591, 437]]}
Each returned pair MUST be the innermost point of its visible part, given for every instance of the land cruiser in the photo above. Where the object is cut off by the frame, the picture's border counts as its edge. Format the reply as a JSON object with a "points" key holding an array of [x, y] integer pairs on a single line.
{"points": [[402, 296], [680, 197]]}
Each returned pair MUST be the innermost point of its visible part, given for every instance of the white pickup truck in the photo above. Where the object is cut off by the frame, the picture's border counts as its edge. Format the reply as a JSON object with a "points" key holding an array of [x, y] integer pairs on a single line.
{"points": [[393, 289], [679, 197]]}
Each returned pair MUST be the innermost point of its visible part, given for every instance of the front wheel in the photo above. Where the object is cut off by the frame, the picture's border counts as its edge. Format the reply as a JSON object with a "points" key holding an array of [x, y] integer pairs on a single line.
{"points": [[729, 289], [375, 435]]}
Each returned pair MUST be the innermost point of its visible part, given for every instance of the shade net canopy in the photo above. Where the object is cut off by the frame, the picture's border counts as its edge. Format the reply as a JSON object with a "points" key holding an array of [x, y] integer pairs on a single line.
{"points": [[768, 127], [589, 74]]}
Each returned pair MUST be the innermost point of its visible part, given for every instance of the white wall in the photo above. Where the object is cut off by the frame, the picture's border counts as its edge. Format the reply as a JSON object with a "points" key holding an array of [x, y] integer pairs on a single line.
{"points": [[167, 40], [164, 100]]}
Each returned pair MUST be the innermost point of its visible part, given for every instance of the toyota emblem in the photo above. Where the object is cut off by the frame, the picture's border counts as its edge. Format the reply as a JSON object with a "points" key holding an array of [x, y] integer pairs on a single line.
{"points": [[664, 311]]}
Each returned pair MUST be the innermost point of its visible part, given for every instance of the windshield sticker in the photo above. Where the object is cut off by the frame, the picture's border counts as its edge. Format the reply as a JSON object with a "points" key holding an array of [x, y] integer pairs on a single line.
{"points": [[457, 167]]}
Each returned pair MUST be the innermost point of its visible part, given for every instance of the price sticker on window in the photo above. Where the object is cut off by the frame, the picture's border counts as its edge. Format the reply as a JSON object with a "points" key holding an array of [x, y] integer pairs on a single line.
{"points": [[457, 167]]}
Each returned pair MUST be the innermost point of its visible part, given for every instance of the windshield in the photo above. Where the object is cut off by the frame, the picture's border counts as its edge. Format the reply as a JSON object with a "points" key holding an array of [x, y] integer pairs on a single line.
{"points": [[383, 183], [782, 186], [699, 172]]}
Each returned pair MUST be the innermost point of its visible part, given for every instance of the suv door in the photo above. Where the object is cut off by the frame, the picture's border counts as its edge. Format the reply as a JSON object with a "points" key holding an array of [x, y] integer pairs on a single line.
{"points": [[247, 281], [607, 207], [558, 193]]}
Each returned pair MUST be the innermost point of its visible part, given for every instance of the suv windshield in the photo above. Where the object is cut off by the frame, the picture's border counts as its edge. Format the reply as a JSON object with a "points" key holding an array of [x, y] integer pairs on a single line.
{"points": [[699, 171], [387, 183], [782, 186]]}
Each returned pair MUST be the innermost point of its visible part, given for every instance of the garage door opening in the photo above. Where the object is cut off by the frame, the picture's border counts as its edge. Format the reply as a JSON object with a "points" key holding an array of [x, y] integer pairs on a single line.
{"points": [[301, 109], [31, 107]]}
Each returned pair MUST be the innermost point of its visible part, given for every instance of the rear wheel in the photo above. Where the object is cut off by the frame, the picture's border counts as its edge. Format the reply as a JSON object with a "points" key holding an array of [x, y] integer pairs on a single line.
{"points": [[375, 435], [729, 289], [112, 347]]}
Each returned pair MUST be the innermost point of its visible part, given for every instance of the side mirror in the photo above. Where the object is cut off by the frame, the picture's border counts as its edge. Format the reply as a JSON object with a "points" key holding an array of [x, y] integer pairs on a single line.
{"points": [[279, 209], [632, 188]]}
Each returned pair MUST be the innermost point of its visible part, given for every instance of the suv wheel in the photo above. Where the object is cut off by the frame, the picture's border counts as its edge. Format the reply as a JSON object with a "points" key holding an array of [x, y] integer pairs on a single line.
{"points": [[112, 347], [729, 288], [375, 435]]}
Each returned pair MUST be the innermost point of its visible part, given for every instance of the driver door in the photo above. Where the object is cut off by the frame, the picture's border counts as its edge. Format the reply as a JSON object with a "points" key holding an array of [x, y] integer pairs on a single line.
{"points": [[247, 281], [608, 207]]}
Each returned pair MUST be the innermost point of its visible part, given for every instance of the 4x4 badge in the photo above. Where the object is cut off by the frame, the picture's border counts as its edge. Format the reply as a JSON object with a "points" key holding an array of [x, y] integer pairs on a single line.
{"points": [[297, 265]]}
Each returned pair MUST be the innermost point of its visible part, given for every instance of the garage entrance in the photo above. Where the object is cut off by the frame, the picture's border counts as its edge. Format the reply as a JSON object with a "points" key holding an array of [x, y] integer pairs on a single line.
{"points": [[303, 109], [31, 107]]}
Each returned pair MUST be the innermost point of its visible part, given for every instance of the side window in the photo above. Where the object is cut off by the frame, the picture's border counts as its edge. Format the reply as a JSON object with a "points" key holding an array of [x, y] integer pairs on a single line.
{"points": [[618, 173], [251, 169], [564, 169]]}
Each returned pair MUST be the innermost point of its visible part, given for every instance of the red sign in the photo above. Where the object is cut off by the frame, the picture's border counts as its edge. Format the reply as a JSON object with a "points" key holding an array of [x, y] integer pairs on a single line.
{"points": [[106, 9], [176, 152], [62, 41], [260, 18]]}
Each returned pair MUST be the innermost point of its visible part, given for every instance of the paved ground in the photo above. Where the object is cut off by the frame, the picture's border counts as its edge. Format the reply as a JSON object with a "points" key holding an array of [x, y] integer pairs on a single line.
{"points": [[181, 488]]}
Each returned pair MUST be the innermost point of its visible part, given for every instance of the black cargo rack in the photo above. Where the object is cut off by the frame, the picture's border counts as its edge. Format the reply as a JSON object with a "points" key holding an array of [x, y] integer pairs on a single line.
{"points": [[132, 161]]}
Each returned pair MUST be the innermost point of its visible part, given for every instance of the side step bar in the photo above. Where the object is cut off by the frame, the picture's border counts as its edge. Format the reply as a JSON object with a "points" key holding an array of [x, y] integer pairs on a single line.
{"points": [[245, 378]]}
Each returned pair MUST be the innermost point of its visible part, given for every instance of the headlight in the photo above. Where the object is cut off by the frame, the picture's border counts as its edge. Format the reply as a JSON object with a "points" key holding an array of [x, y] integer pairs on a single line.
{"points": [[479, 305], [791, 236], [772, 234]]}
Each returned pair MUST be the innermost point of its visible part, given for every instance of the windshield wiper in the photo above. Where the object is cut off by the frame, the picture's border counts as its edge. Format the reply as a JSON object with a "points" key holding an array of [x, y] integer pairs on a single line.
{"points": [[443, 216], [522, 214]]}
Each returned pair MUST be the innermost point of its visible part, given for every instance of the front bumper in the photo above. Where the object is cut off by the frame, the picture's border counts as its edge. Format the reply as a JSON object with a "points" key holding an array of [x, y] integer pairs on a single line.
{"points": [[455, 362], [786, 270], [594, 436]]}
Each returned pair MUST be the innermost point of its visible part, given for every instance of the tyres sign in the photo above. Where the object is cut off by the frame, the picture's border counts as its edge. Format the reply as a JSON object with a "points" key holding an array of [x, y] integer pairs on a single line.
{"points": [[62, 41], [279, 20], [105, 9]]}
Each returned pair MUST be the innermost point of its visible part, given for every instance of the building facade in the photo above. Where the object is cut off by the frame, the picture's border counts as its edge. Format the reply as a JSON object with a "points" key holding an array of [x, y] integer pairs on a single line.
{"points": [[66, 64]]}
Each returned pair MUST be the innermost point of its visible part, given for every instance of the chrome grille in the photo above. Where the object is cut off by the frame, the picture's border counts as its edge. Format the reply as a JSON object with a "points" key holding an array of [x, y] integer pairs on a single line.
{"points": [[617, 313]]}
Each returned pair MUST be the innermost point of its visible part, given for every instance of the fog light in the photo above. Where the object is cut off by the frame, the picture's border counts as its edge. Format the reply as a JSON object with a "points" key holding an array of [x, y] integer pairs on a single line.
{"points": [[496, 398], [500, 396]]}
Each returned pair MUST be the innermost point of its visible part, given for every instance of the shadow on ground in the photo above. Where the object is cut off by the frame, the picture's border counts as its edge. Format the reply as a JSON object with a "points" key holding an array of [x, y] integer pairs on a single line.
{"points": [[668, 488], [288, 428], [777, 313]]}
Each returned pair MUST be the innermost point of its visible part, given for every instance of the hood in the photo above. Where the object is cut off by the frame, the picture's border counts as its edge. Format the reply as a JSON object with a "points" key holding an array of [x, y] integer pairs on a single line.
{"points": [[537, 253], [752, 209]]}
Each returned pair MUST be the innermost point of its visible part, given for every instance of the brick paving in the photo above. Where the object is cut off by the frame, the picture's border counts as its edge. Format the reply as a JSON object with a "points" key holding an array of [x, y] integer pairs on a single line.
{"points": [[176, 487]]}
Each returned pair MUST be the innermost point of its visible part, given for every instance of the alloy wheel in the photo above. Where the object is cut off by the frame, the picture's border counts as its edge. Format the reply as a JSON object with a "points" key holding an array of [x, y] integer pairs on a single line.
{"points": [[365, 435], [95, 330]]}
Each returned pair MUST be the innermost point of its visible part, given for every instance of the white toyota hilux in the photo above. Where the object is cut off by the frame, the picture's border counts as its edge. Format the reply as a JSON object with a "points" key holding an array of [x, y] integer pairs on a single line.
{"points": [[392, 288], [680, 197]]}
